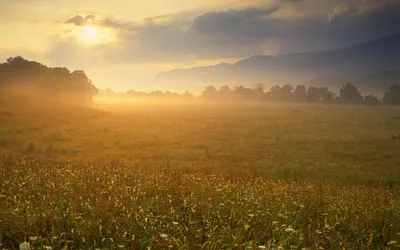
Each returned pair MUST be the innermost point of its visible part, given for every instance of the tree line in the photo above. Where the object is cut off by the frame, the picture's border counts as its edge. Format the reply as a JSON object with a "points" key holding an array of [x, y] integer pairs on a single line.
{"points": [[348, 94], [30, 77]]}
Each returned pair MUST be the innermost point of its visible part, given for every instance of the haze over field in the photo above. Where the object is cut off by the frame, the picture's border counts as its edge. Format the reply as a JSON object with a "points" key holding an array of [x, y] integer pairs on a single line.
{"points": [[200, 124]]}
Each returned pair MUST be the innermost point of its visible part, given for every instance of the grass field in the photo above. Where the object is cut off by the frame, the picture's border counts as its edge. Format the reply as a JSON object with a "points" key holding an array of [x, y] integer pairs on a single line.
{"points": [[199, 176]]}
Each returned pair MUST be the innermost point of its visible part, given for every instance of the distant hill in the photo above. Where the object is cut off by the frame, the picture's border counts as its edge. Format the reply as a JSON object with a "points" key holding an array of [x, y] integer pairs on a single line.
{"points": [[380, 80], [347, 64]]}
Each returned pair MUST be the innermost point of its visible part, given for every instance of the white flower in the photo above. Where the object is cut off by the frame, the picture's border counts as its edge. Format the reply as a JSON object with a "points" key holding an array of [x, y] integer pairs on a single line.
{"points": [[289, 230], [25, 246]]}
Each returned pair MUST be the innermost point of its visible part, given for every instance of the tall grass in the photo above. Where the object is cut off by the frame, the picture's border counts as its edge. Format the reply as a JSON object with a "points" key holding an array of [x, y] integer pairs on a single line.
{"points": [[116, 206]]}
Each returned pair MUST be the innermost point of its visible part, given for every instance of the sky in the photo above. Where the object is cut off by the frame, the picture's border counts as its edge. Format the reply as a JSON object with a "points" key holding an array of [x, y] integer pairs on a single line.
{"points": [[124, 44]]}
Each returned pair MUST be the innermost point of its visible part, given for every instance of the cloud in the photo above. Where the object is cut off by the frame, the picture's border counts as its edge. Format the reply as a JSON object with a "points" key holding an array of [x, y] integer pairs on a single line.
{"points": [[370, 20], [238, 33], [80, 20]]}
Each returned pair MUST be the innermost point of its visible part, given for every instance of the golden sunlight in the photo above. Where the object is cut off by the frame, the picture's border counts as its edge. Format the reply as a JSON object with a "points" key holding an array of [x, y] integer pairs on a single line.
{"points": [[92, 35]]}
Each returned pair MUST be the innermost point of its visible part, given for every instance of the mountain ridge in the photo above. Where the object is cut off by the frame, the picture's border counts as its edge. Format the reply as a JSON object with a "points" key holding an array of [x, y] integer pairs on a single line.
{"points": [[351, 63]]}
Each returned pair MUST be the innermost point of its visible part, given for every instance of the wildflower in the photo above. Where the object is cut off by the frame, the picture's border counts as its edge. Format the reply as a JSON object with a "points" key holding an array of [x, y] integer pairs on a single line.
{"points": [[164, 236], [289, 230], [24, 246], [33, 238]]}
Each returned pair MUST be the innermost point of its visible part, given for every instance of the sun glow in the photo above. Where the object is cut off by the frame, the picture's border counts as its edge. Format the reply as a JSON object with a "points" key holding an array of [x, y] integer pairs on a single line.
{"points": [[92, 35]]}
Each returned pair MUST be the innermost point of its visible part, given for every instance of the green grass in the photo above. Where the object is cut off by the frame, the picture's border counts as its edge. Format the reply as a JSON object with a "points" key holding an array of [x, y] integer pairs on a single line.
{"points": [[200, 175]]}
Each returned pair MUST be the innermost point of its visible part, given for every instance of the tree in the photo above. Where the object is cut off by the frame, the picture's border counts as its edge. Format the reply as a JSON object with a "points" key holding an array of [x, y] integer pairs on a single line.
{"points": [[243, 93], [371, 100], [56, 83], [350, 94], [210, 92], [260, 88], [300, 93], [187, 95], [278, 93], [326, 94], [225, 92], [314, 94], [392, 96], [259, 92]]}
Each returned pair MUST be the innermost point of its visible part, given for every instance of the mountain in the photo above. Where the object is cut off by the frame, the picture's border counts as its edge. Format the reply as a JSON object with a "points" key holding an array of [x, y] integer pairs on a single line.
{"points": [[369, 60]]}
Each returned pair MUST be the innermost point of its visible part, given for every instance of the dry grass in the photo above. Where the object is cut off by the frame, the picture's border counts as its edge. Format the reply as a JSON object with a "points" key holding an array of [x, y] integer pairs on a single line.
{"points": [[200, 176], [112, 206]]}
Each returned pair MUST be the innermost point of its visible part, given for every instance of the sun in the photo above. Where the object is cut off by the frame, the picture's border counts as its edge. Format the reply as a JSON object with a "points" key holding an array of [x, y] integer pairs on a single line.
{"points": [[94, 35], [90, 34]]}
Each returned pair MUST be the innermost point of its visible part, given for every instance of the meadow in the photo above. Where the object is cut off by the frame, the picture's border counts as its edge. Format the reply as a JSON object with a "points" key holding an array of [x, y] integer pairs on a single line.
{"points": [[199, 175]]}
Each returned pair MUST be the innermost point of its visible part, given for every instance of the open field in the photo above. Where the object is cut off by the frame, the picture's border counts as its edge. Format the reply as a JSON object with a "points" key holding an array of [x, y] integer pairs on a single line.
{"points": [[200, 175], [352, 143]]}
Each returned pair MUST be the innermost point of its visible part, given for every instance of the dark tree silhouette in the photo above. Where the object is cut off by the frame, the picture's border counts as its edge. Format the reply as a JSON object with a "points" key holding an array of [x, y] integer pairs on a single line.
{"points": [[350, 94], [277, 93], [300, 93], [314, 94], [326, 94], [371, 100], [56, 83], [242, 93], [392, 96]]}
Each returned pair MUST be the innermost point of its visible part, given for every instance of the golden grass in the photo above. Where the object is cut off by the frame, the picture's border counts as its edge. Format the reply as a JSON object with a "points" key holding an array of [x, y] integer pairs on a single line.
{"points": [[199, 176], [111, 206]]}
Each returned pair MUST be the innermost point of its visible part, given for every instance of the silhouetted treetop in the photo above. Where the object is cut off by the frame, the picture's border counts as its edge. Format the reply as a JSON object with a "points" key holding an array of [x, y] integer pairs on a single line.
{"points": [[350, 94], [32, 77], [392, 96]]}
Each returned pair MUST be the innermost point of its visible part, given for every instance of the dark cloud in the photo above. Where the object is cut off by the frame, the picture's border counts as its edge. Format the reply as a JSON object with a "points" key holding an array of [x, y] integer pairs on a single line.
{"points": [[245, 32], [80, 20], [371, 20], [233, 22]]}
